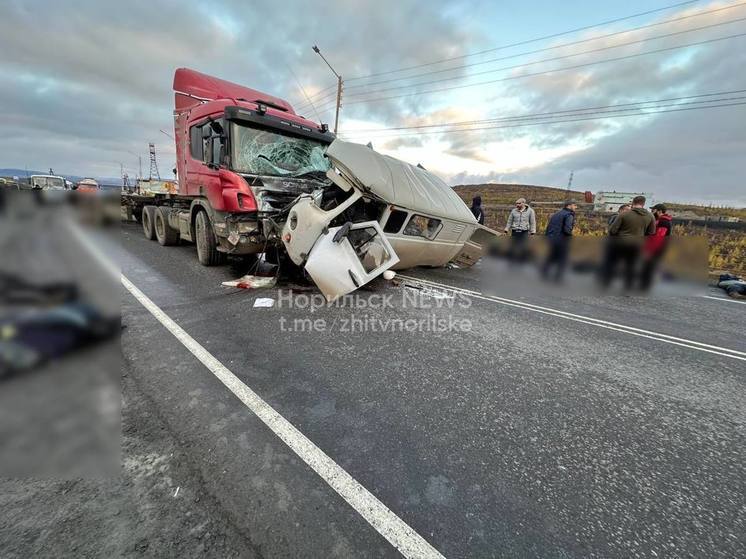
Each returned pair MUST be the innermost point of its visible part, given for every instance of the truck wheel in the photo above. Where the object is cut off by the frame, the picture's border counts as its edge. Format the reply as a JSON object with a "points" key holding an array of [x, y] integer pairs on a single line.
{"points": [[207, 244], [165, 234], [148, 222]]}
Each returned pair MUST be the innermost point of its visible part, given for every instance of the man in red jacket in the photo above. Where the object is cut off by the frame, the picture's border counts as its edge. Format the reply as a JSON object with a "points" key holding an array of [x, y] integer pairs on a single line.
{"points": [[655, 245]]}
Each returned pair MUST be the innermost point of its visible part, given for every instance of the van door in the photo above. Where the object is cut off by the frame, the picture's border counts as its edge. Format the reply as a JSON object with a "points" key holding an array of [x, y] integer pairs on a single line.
{"points": [[347, 257], [475, 247]]}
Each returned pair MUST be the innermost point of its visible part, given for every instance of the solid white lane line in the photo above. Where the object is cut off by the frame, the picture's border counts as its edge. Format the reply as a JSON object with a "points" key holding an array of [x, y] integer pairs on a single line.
{"points": [[723, 299], [379, 516], [683, 342], [105, 262]]}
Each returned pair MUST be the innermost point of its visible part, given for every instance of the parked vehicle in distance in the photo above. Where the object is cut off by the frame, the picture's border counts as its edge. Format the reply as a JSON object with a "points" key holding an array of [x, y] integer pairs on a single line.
{"points": [[87, 185], [255, 177], [47, 182]]}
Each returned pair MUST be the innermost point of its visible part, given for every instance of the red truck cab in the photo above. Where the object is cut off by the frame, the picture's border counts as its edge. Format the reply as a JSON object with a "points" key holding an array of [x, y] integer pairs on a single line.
{"points": [[242, 156]]}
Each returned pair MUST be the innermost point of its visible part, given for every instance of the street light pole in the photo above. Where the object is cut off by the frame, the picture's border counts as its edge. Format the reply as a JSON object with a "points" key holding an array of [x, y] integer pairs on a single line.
{"points": [[339, 87]]}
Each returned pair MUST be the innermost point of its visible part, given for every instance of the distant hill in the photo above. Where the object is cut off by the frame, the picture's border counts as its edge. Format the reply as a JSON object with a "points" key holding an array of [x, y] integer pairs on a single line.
{"points": [[22, 173], [497, 193]]}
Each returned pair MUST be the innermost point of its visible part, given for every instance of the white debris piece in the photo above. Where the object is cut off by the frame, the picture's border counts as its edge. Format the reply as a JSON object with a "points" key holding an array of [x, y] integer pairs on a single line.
{"points": [[264, 302], [251, 282]]}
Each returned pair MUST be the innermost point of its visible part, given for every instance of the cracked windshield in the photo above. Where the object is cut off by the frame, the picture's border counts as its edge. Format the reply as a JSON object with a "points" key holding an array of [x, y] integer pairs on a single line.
{"points": [[265, 152]]}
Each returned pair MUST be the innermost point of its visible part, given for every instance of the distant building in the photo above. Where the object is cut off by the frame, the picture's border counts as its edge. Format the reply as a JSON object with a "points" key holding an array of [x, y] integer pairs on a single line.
{"points": [[609, 202]]}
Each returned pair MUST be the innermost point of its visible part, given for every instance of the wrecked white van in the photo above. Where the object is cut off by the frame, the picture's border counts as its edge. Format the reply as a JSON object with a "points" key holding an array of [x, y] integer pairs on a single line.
{"points": [[380, 213]]}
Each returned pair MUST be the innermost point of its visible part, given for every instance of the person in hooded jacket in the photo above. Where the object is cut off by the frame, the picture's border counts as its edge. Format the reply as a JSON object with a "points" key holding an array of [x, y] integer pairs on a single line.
{"points": [[558, 233], [476, 209], [626, 236], [655, 245]]}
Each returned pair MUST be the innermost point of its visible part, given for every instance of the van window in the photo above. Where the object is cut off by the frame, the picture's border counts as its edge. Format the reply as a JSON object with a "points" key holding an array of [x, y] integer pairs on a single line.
{"points": [[395, 221], [195, 142], [368, 248], [421, 226]]}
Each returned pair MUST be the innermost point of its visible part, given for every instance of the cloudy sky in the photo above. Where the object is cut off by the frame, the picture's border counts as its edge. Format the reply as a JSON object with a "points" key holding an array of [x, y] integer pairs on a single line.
{"points": [[84, 86]]}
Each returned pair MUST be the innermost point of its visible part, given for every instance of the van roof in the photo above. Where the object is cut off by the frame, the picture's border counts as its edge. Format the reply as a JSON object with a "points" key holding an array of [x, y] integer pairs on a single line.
{"points": [[397, 182]]}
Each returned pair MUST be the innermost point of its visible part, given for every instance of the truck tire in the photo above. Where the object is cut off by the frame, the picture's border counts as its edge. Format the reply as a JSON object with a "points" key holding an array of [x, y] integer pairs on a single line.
{"points": [[207, 244], [148, 222], [166, 235]]}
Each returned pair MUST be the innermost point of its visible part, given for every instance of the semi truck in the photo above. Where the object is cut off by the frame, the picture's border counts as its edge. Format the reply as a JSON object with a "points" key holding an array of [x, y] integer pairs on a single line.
{"points": [[241, 156]]}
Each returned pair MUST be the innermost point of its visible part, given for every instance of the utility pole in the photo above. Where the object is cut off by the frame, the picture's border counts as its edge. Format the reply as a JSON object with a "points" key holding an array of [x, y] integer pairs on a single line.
{"points": [[339, 87], [569, 182], [153, 163]]}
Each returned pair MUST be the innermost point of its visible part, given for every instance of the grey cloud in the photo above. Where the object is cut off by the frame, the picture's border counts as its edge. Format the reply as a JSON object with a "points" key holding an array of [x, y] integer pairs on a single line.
{"points": [[100, 86], [111, 64], [686, 155], [677, 159]]}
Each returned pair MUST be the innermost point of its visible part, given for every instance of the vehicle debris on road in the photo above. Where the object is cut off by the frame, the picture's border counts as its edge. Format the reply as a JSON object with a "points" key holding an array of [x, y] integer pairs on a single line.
{"points": [[252, 282]]}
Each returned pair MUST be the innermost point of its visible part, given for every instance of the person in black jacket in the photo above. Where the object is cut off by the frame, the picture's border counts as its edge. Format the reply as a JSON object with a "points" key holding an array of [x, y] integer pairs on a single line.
{"points": [[558, 233], [476, 208]]}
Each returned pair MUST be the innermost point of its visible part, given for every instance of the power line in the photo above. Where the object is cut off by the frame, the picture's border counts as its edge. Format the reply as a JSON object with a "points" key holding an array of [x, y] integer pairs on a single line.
{"points": [[551, 119], [545, 114], [322, 100], [564, 45], [545, 37], [553, 59], [533, 74], [316, 97], [303, 90], [551, 122]]}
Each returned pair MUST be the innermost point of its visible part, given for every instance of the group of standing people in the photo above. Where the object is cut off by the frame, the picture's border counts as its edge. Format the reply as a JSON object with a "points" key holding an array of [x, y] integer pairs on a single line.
{"points": [[637, 239]]}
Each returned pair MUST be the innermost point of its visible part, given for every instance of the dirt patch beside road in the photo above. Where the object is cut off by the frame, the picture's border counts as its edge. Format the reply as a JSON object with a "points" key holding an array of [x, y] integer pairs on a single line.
{"points": [[158, 508]]}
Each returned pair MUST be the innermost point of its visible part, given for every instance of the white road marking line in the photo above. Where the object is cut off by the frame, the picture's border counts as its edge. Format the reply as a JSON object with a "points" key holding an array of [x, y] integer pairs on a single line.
{"points": [[683, 342], [106, 262], [724, 299], [389, 525]]}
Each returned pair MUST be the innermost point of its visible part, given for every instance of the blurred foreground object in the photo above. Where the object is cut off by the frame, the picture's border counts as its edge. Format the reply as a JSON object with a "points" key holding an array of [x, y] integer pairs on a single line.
{"points": [[50, 322], [60, 397]]}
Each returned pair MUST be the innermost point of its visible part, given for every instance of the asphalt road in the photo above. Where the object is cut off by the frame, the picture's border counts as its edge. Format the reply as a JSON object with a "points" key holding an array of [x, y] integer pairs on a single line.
{"points": [[504, 431], [528, 435]]}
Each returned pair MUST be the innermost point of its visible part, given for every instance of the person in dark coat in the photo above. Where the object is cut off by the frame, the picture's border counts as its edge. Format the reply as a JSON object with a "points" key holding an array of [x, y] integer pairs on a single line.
{"points": [[476, 208], [558, 233], [626, 237], [624, 208]]}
